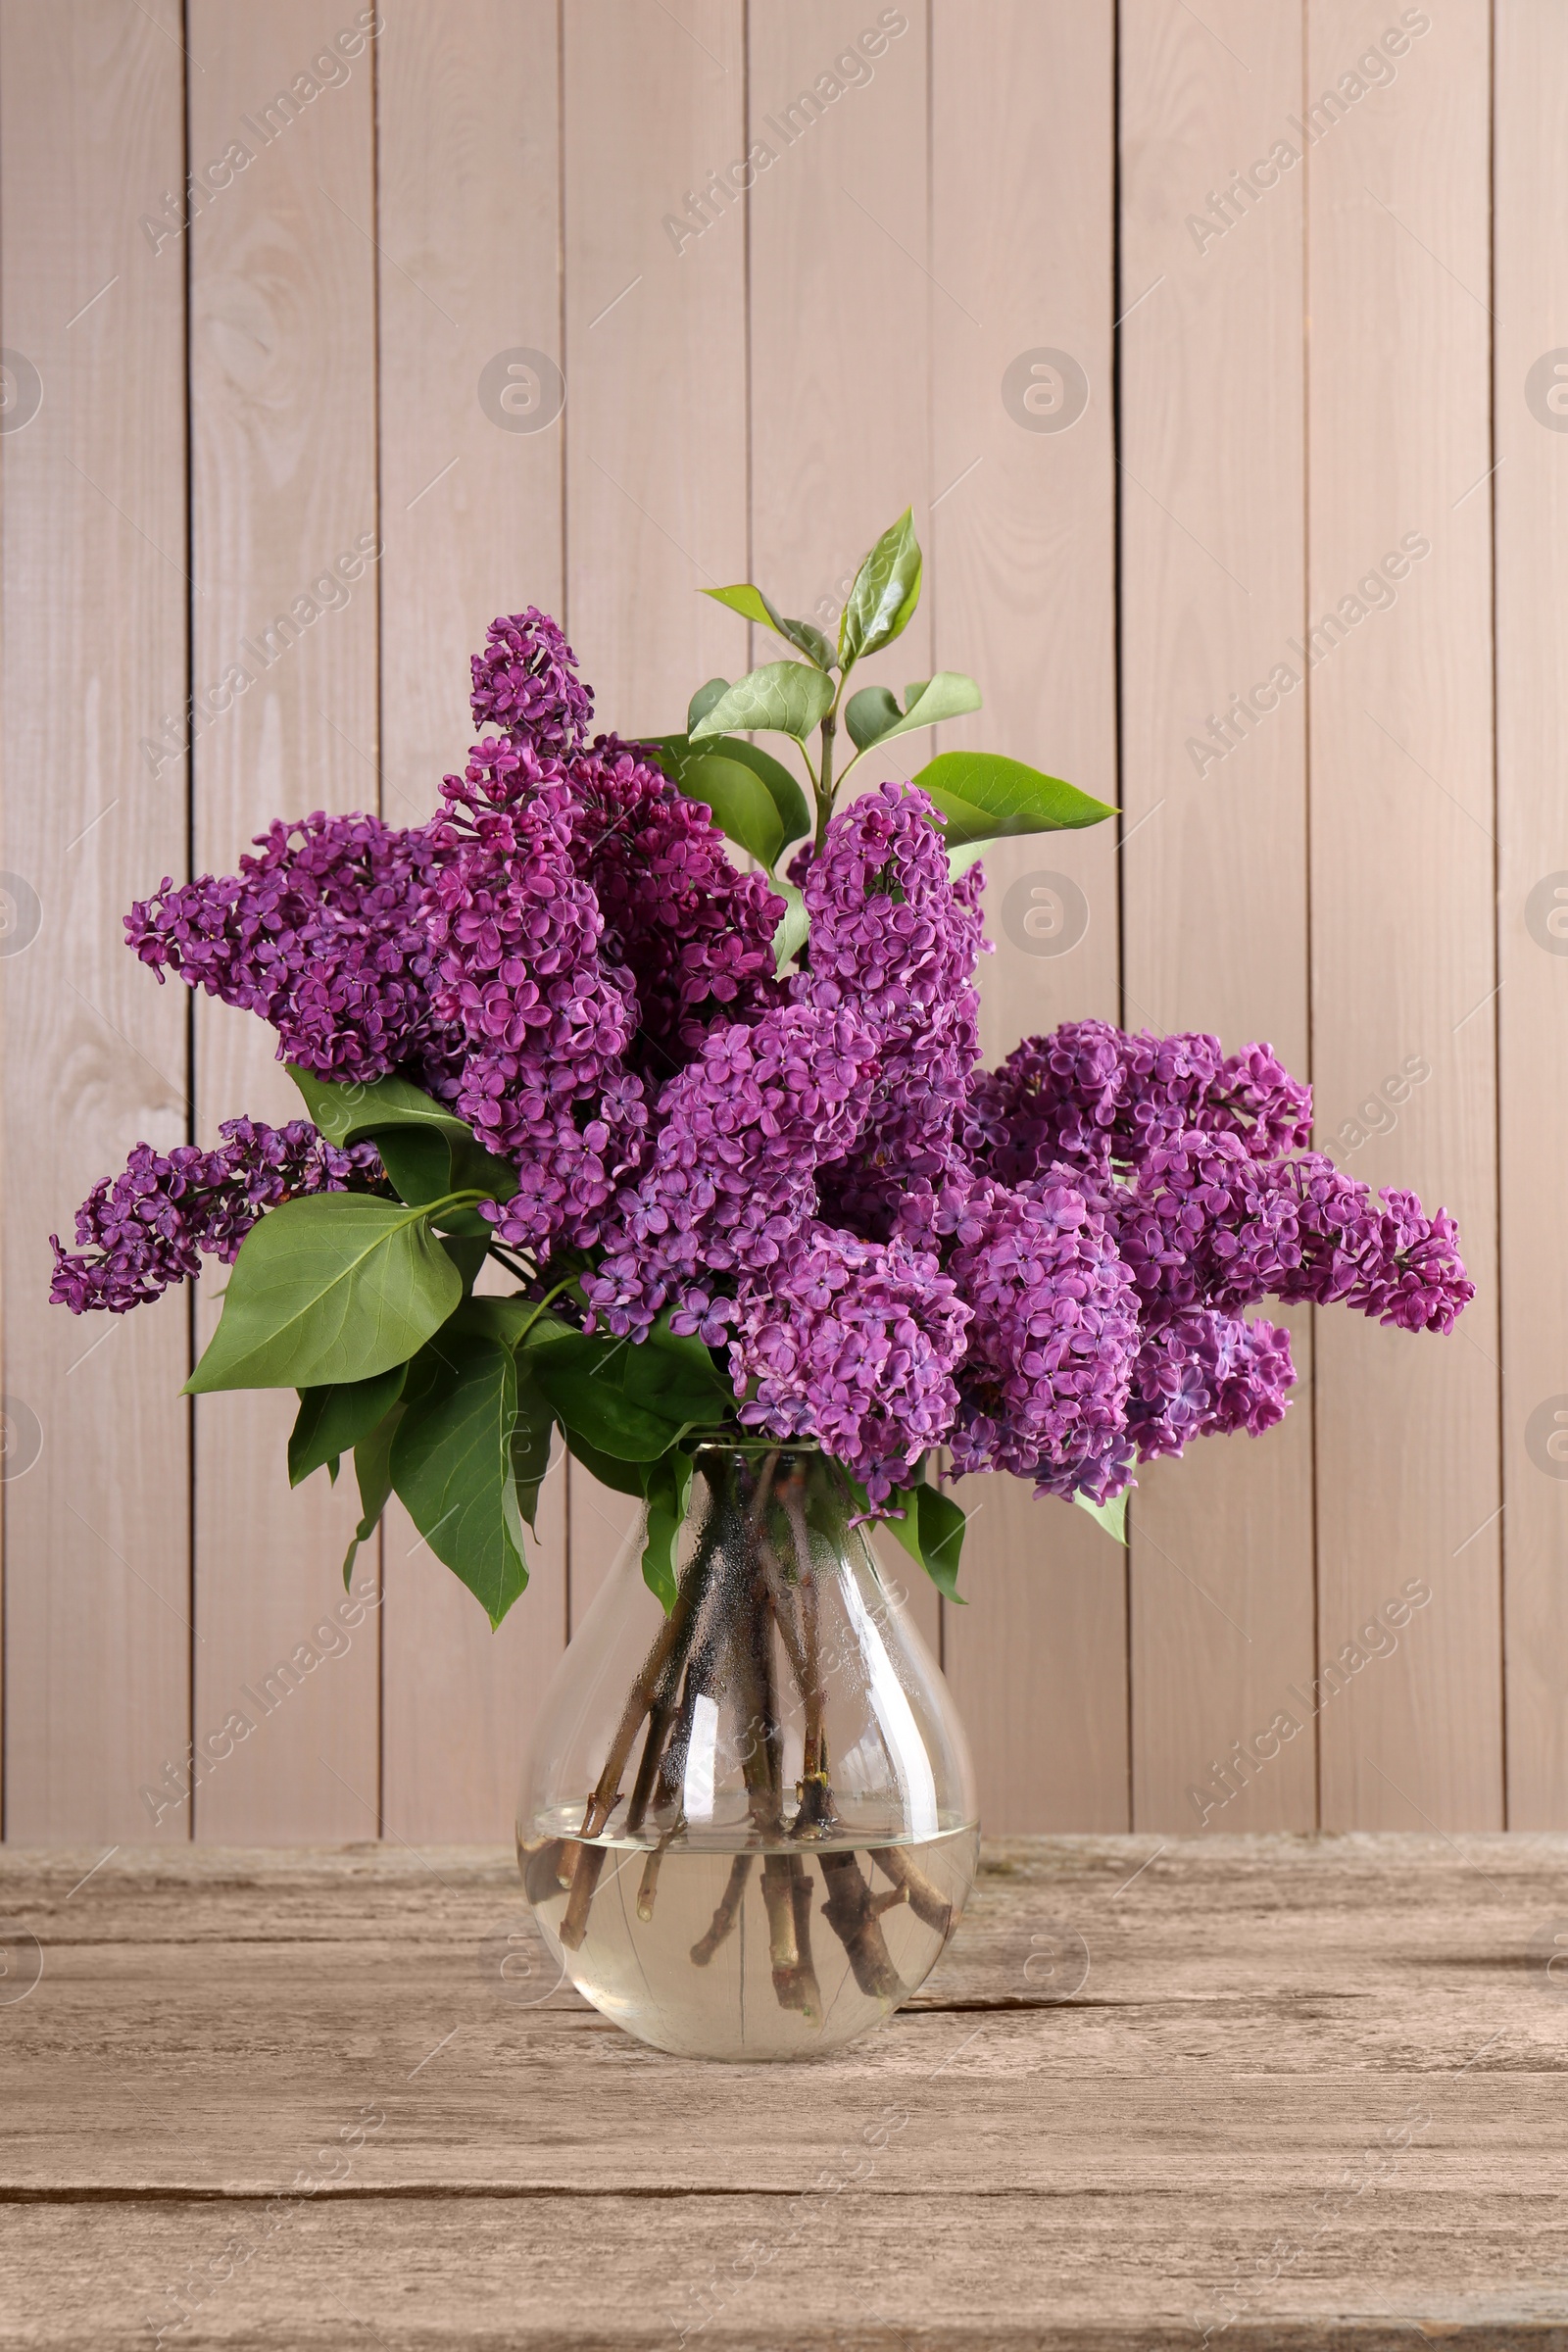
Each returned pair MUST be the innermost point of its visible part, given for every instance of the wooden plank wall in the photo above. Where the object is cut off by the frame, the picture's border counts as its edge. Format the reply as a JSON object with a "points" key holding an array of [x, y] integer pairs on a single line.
{"points": [[1182, 329]]}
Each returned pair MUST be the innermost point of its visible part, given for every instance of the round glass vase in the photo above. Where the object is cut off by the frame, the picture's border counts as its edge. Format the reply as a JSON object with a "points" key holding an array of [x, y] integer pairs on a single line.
{"points": [[748, 1829]]}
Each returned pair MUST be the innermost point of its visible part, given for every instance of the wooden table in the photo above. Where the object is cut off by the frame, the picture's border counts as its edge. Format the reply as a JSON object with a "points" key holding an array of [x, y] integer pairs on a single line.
{"points": [[1309, 2092]]}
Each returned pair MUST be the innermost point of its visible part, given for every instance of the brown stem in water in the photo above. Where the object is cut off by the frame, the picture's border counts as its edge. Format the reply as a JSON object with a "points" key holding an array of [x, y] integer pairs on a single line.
{"points": [[710, 1637], [723, 1920], [816, 1811], [851, 1912], [659, 1672], [926, 1899], [648, 1884], [786, 1897]]}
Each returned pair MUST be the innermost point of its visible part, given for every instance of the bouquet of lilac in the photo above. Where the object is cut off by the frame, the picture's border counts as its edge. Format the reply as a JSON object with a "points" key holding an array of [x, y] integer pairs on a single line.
{"points": [[724, 1132]]}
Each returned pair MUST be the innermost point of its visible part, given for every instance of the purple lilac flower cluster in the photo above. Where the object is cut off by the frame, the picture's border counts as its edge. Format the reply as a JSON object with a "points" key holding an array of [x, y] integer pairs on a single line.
{"points": [[544, 1023], [525, 683], [148, 1227], [893, 936], [1044, 1267], [855, 1344], [731, 1191], [323, 935], [1097, 1099]]}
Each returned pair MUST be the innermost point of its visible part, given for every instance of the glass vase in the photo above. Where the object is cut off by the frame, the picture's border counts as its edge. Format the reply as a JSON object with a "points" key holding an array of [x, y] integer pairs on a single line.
{"points": [[748, 1827]]}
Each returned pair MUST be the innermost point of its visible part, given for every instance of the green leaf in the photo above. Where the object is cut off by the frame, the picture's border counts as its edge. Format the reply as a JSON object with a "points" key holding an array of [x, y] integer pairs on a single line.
{"points": [[932, 1532], [874, 716], [786, 698], [703, 699], [674, 753], [347, 1114], [692, 1355], [344, 1114], [590, 1402], [508, 1320], [620, 1399], [373, 1468], [622, 1477], [454, 1467], [667, 1485], [960, 859], [886, 591], [334, 1288], [532, 1433], [675, 1385], [418, 1161], [870, 714], [794, 924], [1112, 1516], [467, 1253], [983, 796], [787, 796], [601, 1412], [331, 1421], [753, 604], [743, 807]]}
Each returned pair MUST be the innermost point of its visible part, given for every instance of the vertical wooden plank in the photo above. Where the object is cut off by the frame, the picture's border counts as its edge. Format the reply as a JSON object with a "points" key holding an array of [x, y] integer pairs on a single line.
{"points": [[656, 405], [1531, 483], [842, 300], [1403, 879], [92, 473], [840, 296], [469, 174], [1022, 583], [1214, 885], [282, 339]]}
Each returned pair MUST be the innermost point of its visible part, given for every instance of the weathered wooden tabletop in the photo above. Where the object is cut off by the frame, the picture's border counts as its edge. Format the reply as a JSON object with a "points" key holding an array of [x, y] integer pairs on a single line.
{"points": [[1286, 2092]]}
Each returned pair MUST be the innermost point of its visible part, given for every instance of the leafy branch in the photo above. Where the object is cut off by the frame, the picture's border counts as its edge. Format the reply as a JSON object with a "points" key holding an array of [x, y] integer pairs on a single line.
{"points": [[978, 796]]}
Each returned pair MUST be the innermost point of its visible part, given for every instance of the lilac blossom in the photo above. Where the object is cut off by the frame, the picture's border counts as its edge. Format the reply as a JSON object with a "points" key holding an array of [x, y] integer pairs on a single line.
{"points": [[695, 935], [854, 1344], [1205, 1224], [525, 683], [148, 1227], [1201, 1374], [731, 1188], [323, 935], [1092, 1095], [893, 936], [516, 939], [1045, 1376], [1046, 1267]]}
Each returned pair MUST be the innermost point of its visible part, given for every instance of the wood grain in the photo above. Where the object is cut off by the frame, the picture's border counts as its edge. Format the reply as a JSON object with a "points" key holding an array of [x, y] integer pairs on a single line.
{"points": [[1531, 490], [1215, 884], [1403, 883], [756, 385], [1022, 587], [655, 409], [468, 182], [840, 338], [282, 360], [1307, 2094], [96, 1601]]}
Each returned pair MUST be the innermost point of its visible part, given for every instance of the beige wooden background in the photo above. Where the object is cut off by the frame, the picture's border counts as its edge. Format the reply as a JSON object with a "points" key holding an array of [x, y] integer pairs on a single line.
{"points": [[1285, 379]]}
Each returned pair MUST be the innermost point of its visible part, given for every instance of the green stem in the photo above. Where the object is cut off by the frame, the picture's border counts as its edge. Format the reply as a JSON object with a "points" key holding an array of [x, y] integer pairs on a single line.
{"points": [[450, 1201], [541, 1305]]}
